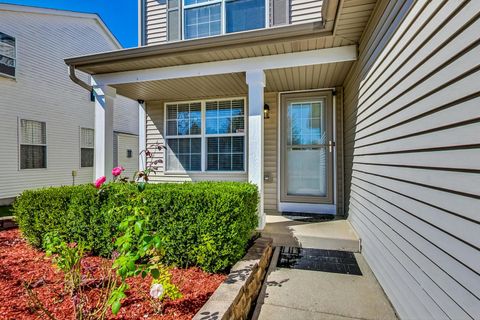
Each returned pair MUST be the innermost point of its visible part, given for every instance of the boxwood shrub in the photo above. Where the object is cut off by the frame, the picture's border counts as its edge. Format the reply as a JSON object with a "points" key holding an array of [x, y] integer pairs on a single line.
{"points": [[206, 224]]}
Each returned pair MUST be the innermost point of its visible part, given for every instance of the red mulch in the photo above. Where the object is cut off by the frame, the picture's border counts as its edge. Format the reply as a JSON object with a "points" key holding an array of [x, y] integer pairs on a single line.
{"points": [[20, 263]]}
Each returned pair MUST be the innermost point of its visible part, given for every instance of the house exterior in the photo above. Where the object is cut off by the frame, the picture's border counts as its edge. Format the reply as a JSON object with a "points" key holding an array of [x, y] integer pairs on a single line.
{"points": [[366, 109], [47, 121]]}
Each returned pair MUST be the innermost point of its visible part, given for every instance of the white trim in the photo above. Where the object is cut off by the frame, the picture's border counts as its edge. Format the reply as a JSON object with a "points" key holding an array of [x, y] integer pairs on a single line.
{"points": [[203, 136], [307, 208], [19, 143], [279, 61], [142, 136], [256, 82]]}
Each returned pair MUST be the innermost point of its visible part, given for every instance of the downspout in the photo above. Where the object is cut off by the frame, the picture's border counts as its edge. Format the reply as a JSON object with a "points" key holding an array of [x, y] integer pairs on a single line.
{"points": [[77, 80]]}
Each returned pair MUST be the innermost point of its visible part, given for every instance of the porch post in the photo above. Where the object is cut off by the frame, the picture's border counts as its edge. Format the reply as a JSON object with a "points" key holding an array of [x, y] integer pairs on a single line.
{"points": [[104, 101], [142, 134], [256, 84]]}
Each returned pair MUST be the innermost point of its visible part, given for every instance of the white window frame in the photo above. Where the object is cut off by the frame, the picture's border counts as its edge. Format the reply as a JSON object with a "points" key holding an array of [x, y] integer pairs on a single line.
{"points": [[223, 13], [14, 58], [82, 147], [203, 135], [19, 132]]}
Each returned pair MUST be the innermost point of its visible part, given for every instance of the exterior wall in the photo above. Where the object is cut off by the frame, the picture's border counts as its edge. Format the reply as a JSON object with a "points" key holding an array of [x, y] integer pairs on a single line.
{"points": [[270, 149], [155, 17], [127, 142], [412, 155], [155, 130], [43, 91], [155, 21]]}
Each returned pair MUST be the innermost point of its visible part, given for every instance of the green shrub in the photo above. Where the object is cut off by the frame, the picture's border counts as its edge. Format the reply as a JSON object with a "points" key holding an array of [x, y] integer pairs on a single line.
{"points": [[207, 224]]}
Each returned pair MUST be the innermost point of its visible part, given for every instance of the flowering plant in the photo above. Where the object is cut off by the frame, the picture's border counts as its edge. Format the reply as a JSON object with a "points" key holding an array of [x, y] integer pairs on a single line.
{"points": [[100, 181], [117, 171]]}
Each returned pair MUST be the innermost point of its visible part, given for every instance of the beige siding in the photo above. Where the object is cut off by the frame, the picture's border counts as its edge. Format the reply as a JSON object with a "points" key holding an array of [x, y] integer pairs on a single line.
{"points": [[155, 21], [42, 91], [155, 17], [302, 11], [155, 129], [270, 148], [127, 142], [412, 136]]}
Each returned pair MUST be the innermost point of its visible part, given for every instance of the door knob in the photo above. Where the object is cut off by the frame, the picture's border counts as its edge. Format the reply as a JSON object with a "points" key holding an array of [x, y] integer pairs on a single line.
{"points": [[331, 144]]}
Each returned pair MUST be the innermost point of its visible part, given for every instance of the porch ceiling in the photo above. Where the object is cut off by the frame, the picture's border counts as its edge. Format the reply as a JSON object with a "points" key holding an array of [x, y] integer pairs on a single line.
{"points": [[233, 84]]}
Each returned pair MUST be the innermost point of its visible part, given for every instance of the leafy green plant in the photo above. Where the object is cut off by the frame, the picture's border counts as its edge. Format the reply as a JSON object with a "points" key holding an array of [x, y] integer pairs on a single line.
{"points": [[204, 224], [140, 253], [67, 257]]}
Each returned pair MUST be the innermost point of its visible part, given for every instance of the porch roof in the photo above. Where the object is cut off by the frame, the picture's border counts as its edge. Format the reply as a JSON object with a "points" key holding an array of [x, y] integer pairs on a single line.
{"points": [[342, 25]]}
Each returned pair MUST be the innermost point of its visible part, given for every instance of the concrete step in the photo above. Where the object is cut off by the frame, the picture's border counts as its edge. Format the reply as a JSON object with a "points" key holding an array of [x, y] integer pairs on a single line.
{"points": [[295, 231]]}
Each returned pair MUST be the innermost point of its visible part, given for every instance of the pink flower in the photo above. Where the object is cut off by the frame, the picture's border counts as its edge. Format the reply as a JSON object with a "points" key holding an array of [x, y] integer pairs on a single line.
{"points": [[98, 183], [117, 171]]}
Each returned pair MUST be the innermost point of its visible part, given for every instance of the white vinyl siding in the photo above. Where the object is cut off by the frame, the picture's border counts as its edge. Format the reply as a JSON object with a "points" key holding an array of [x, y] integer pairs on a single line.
{"points": [[412, 136], [33, 144], [8, 55], [42, 91]]}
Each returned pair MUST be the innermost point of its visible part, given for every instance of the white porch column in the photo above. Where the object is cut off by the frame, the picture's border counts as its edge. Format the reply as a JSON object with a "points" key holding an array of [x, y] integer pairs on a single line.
{"points": [[104, 101], [142, 134], [256, 84]]}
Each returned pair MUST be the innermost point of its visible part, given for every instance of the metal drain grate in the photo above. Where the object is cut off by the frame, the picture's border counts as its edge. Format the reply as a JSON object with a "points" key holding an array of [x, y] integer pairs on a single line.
{"points": [[318, 260]]}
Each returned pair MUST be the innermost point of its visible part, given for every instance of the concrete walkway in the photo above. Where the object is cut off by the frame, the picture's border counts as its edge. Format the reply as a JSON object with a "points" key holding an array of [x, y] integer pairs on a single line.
{"points": [[301, 294]]}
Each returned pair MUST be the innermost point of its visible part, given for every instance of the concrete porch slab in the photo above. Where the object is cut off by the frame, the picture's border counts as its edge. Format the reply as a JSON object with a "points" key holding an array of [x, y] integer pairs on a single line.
{"points": [[300, 294], [298, 232]]}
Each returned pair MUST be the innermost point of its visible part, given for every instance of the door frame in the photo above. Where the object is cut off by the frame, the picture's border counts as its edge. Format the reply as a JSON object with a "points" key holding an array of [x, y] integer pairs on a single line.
{"points": [[309, 204]]}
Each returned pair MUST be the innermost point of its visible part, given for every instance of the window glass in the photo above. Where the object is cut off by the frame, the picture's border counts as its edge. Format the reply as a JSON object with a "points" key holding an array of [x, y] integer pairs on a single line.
{"points": [[184, 154], [242, 15], [203, 21], [225, 117], [33, 148], [87, 138], [225, 153], [7, 55]]}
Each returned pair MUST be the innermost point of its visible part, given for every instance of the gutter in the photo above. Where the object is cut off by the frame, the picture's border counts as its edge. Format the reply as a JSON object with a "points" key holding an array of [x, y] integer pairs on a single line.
{"points": [[74, 78], [194, 46]]}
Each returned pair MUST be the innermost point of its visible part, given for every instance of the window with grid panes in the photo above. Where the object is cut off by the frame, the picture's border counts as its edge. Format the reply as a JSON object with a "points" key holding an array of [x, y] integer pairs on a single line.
{"points": [[222, 137], [87, 138], [225, 130], [184, 126], [33, 144]]}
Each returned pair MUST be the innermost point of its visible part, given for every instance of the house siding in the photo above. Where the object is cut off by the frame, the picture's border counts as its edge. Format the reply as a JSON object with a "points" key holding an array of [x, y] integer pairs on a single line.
{"points": [[42, 91], [155, 129], [412, 155], [155, 17]]}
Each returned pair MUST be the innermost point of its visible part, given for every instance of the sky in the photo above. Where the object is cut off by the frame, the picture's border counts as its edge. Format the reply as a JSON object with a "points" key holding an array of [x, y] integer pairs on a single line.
{"points": [[119, 15]]}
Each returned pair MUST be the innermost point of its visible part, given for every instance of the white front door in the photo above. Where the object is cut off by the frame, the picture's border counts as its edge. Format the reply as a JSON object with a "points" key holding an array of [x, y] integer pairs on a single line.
{"points": [[307, 152]]}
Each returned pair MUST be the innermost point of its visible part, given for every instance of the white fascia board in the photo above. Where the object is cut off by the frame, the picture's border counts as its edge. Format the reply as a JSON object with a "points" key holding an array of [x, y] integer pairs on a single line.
{"points": [[279, 61]]}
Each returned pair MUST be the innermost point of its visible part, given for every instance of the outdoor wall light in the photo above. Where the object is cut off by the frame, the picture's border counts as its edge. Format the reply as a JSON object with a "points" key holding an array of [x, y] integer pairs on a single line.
{"points": [[266, 111]]}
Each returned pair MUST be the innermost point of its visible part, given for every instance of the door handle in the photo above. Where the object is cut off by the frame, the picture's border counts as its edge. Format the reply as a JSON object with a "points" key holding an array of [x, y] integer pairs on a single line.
{"points": [[331, 144]]}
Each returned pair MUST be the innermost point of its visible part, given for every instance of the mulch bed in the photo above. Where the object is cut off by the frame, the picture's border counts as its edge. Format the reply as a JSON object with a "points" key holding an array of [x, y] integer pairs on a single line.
{"points": [[20, 263]]}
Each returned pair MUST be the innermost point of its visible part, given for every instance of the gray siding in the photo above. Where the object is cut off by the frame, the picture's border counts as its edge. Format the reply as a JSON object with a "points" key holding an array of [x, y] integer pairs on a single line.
{"points": [[412, 144], [155, 17]]}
